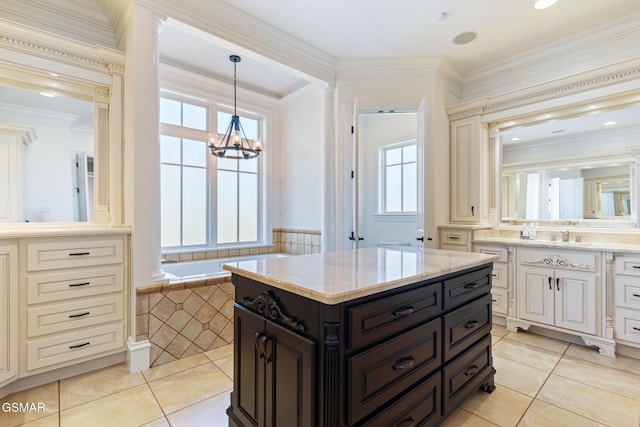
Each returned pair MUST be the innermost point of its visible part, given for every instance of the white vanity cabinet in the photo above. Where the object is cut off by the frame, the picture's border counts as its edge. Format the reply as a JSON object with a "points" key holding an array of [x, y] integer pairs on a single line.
{"points": [[627, 298], [468, 171], [74, 300], [8, 312], [559, 288], [500, 276]]}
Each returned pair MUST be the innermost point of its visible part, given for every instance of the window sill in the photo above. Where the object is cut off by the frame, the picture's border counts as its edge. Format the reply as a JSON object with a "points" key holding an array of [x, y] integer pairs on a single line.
{"points": [[394, 217]]}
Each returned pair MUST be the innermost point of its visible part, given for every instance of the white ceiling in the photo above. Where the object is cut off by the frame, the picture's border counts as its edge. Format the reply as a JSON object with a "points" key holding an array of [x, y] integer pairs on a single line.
{"points": [[356, 29]]}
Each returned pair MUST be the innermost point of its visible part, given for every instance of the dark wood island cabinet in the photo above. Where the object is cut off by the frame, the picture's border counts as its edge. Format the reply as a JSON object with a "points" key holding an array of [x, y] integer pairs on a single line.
{"points": [[334, 345]]}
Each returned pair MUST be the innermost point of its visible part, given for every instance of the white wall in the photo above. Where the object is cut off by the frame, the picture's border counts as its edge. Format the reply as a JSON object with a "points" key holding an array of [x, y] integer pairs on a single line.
{"points": [[301, 152]]}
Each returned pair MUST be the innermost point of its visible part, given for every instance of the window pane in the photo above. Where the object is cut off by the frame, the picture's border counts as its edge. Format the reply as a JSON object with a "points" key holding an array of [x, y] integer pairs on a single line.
{"points": [[227, 207], [248, 207], [393, 156], [250, 165], [194, 206], [393, 187], [227, 164], [409, 188], [250, 127], [194, 117], [223, 121], [194, 153], [169, 111], [169, 149], [170, 205], [409, 153]]}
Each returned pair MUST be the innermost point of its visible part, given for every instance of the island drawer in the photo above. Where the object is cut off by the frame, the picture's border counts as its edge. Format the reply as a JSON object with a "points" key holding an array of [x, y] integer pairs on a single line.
{"points": [[465, 326], [420, 407], [385, 371], [466, 373], [390, 315], [74, 253], [466, 287]]}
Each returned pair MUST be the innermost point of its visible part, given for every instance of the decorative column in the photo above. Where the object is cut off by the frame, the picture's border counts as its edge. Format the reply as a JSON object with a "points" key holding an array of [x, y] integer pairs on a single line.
{"points": [[495, 155], [329, 179]]}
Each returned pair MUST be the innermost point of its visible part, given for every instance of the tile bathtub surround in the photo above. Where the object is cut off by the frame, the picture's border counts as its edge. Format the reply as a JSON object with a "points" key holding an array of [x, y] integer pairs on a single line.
{"points": [[581, 389], [285, 240], [185, 319]]}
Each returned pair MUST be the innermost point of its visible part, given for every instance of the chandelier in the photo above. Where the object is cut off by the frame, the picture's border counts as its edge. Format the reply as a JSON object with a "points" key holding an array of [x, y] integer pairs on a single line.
{"points": [[234, 144]]}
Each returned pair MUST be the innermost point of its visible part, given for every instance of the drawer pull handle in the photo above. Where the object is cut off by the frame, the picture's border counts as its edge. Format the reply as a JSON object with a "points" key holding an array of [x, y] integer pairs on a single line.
{"points": [[73, 285], [86, 313], [404, 363], [636, 266], [79, 253], [635, 329], [494, 275], [453, 237], [471, 286], [636, 295], [471, 324], [494, 300], [84, 344], [407, 422], [404, 311], [549, 277], [558, 283], [471, 371]]}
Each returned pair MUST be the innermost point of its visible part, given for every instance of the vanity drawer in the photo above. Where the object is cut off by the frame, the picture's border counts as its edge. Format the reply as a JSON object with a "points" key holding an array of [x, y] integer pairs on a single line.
{"points": [[451, 237], [466, 287], [465, 326], [628, 265], [387, 316], [500, 251], [465, 374], [75, 345], [55, 318], [499, 301], [628, 325], [628, 291], [61, 286], [379, 374], [74, 253], [499, 277], [420, 407]]}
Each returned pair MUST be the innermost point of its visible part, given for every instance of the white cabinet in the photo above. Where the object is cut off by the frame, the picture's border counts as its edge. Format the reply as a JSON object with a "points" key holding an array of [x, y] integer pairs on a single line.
{"points": [[500, 277], [8, 312], [627, 297], [469, 164], [74, 300], [559, 288], [455, 239]]}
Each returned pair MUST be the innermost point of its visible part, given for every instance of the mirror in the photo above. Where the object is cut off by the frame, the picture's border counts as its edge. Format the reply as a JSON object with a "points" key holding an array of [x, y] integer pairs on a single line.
{"points": [[571, 170], [47, 153]]}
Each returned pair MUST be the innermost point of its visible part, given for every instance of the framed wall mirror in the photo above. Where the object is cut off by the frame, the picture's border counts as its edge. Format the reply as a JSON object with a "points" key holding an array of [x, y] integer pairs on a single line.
{"points": [[572, 171]]}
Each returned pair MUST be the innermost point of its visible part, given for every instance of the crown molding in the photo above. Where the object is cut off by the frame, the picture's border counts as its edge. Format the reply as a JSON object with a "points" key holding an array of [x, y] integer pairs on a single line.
{"points": [[32, 42], [605, 77], [35, 116], [354, 69], [228, 23], [26, 134]]}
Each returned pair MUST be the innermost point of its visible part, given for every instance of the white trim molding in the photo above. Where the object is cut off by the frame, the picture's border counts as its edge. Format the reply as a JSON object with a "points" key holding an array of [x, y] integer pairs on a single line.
{"points": [[138, 355]]}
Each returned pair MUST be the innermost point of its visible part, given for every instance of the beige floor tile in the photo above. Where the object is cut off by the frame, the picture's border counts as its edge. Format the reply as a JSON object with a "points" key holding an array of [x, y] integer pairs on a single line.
{"points": [[45, 394], [593, 355], [462, 418], [209, 412], [171, 368], [48, 421], [160, 422], [498, 330], [600, 376], [528, 355], [543, 414], [226, 364], [518, 377], [94, 385], [504, 407], [220, 352], [131, 407], [590, 402], [539, 341], [185, 388]]}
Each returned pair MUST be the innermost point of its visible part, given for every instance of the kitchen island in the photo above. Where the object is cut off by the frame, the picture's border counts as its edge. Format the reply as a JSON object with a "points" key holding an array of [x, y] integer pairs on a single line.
{"points": [[371, 337]]}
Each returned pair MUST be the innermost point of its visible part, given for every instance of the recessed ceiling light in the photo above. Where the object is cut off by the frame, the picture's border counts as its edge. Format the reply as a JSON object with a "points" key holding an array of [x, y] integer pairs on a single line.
{"points": [[515, 139], [54, 74], [543, 4], [466, 37], [439, 17], [48, 94], [609, 123], [557, 131]]}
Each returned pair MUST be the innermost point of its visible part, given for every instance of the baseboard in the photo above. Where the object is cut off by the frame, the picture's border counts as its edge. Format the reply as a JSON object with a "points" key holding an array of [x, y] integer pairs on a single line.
{"points": [[139, 355]]}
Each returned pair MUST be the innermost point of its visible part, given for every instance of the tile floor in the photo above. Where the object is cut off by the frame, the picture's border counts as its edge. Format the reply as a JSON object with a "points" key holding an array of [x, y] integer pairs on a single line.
{"points": [[540, 382]]}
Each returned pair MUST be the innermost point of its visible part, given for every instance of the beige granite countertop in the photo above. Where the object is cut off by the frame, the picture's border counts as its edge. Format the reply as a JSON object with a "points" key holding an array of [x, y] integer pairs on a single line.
{"points": [[556, 244], [335, 277], [39, 229]]}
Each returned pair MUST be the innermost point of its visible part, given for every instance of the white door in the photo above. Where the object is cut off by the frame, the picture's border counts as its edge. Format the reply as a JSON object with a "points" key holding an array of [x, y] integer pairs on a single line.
{"points": [[355, 178], [535, 294], [421, 132], [576, 300]]}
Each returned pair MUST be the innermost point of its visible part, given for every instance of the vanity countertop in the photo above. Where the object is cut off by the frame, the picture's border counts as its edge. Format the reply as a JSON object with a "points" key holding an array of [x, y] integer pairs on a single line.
{"points": [[558, 244], [335, 277], [37, 229]]}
